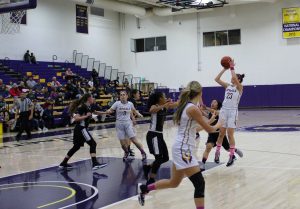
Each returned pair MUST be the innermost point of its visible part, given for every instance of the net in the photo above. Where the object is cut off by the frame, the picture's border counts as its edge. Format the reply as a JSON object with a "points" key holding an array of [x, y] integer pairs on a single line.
{"points": [[11, 21]]}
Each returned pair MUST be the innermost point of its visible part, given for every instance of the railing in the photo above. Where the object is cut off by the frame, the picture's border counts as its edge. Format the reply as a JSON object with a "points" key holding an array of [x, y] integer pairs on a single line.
{"points": [[107, 72]]}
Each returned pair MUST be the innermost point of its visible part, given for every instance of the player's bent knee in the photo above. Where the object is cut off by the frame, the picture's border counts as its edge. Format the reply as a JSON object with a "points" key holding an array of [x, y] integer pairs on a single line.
{"points": [[199, 184]]}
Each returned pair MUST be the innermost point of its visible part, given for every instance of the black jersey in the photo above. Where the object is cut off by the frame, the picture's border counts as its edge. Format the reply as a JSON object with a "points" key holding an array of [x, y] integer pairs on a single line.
{"points": [[214, 122], [82, 111], [216, 119], [157, 120]]}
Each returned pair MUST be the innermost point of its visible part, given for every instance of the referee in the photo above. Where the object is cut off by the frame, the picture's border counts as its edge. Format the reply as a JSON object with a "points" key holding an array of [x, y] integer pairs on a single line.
{"points": [[25, 111]]}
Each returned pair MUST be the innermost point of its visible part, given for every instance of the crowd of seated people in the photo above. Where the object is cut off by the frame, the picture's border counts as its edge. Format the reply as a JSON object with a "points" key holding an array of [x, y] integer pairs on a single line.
{"points": [[45, 97]]}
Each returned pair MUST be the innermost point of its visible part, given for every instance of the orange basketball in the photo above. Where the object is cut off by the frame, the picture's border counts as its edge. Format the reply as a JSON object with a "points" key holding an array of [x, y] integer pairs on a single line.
{"points": [[225, 62]]}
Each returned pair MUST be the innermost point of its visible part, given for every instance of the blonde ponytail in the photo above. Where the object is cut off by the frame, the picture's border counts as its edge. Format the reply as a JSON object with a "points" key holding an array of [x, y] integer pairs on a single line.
{"points": [[192, 90]]}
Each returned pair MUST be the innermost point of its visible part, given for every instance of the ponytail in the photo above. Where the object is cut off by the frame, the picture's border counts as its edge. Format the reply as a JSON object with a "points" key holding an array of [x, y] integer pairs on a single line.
{"points": [[190, 92], [74, 105]]}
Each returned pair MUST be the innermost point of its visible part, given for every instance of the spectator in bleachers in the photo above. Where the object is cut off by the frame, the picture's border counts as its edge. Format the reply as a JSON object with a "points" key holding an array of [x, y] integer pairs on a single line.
{"points": [[3, 89], [13, 117], [66, 118], [33, 59], [45, 92], [31, 95], [91, 83], [38, 87], [31, 83], [70, 90], [22, 86], [55, 83], [48, 116], [37, 121], [3, 105], [69, 74], [15, 91], [95, 76], [27, 57], [116, 82], [125, 82]]}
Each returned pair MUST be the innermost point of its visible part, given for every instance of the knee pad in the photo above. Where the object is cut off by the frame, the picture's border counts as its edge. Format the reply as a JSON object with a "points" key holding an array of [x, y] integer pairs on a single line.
{"points": [[199, 184]]}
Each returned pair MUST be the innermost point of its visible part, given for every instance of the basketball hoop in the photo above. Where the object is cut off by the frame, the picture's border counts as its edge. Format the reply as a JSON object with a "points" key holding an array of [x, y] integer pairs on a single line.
{"points": [[10, 22]]}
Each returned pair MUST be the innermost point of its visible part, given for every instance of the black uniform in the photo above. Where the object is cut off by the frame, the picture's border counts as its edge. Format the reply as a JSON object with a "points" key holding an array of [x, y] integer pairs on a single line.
{"points": [[81, 134], [213, 137], [155, 140]]}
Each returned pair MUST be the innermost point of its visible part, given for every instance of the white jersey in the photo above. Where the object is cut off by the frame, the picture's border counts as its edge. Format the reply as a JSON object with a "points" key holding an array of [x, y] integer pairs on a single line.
{"points": [[184, 147], [231, 98], [123, 111], [186, 130]]}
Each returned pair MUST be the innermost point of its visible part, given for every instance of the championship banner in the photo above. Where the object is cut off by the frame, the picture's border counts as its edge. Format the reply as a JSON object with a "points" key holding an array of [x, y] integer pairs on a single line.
{"points": [[291, 22], [82, 19]]}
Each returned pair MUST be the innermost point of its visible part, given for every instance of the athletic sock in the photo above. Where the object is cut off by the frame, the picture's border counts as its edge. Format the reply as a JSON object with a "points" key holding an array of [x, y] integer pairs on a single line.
{"points": [[202, 207], [231, 150], [219, 147], [150, 181], [65, 161], [204, 160], [151, 187], [94, 160]]}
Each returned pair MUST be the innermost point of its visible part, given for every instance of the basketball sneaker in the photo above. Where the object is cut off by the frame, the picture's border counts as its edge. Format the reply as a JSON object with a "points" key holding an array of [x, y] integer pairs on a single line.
{"points": [[65, 166], [97, 165], [142, 191], [131, 153], [217, 157], [239, 152], [231, 160]]}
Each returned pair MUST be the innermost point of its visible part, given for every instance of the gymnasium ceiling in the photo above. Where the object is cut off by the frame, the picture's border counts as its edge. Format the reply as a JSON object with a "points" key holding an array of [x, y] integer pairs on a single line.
{"points": [[147, 4]]}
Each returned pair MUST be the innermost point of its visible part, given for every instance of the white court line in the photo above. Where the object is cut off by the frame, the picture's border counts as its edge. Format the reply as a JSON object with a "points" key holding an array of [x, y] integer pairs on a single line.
{"points": [[134, 197], [51, 166], [65, 182], [270, 167]]}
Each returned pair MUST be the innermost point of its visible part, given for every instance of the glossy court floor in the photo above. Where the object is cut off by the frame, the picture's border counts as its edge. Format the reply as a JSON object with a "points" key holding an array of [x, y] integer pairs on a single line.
{"points": [[267, 177]]}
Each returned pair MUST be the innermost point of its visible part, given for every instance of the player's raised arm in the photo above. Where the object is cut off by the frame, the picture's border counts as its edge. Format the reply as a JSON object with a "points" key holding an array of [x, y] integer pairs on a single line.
{"points": [[219, 81]]}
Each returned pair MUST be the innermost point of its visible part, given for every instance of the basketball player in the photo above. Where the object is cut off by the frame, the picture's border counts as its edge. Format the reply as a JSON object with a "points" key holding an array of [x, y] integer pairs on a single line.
{"points": [[124, 125], [157, 105], [84, 112], [213, 116], [229, 111], [188, 117]]}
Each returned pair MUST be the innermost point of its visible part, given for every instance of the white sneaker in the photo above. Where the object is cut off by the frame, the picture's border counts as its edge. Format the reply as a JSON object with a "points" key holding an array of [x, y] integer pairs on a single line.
{"points": [[39, 130], [45, 129]]}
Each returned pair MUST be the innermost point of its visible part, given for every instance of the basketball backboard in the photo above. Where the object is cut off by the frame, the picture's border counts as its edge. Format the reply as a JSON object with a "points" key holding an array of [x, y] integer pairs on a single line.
{"points": [[13, 5]]}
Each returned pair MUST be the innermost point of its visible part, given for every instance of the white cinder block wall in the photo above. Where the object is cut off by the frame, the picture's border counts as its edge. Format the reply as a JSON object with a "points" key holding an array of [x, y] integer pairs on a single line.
{"points": [[51, 30], [264, 56]]}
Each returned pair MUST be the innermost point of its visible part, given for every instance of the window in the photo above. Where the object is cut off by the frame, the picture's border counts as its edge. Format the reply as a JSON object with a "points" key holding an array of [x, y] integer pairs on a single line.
{"points": [[209, 39], [234, 37], [161, 43], [222, 38], [149, 44], [140, 45]]}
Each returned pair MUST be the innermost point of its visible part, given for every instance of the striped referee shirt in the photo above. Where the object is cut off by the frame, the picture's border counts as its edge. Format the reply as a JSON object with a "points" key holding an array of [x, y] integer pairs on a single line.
{"points": [[24, 105]]}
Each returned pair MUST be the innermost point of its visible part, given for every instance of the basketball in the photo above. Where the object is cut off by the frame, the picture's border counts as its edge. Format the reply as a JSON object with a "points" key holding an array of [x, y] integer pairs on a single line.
{"points": [[225, 62]]}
